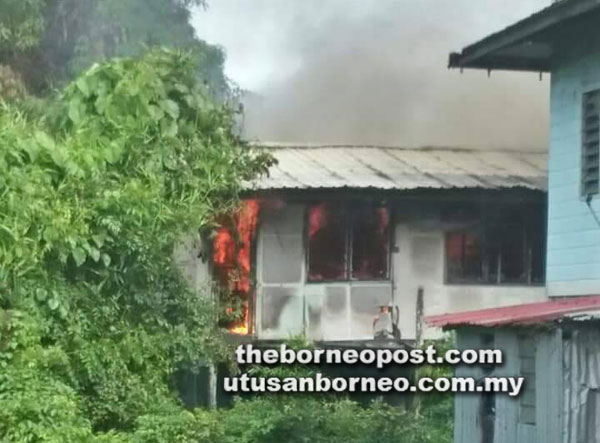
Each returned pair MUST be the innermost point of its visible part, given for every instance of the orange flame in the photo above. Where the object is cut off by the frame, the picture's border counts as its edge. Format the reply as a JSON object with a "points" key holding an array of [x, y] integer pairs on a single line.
{"points": [[317, 218], [232, 259]]}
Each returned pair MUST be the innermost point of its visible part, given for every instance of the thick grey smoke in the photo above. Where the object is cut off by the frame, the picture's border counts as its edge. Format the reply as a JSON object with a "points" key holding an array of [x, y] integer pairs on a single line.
{"points": [[374, 72]]}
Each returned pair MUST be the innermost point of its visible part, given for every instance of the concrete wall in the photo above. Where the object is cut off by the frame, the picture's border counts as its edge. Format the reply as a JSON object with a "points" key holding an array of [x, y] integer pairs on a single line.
{"points": [[287, 305], [191, 256], [573, 262], [420, 262]]}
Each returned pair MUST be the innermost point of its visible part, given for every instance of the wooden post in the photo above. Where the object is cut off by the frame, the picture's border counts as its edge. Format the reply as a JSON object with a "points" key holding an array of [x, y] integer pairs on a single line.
{"points": [[212, 386], [419, 332]]}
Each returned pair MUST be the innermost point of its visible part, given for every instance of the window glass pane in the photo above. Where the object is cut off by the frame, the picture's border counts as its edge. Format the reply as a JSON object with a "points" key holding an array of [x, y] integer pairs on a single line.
{"points": [[510, 248], [537, 246], [370, 243], [326, 242], [463, 256], [513, 255], [490, 260], [507, 244], [536, 242]]}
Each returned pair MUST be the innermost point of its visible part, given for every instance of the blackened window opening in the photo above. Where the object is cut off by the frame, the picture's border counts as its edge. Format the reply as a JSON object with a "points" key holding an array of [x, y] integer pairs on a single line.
{"points": [[328, 247], [463, 250], [370, 243], [348, 242], [504, 244]]}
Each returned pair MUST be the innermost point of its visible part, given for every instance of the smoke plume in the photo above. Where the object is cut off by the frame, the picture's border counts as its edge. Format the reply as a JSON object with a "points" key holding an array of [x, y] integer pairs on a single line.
{"points": [[374, 72]]}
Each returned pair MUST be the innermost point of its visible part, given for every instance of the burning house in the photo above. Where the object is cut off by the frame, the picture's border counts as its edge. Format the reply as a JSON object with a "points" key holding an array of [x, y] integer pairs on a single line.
{"points": [[553, 344], [341, 242]]}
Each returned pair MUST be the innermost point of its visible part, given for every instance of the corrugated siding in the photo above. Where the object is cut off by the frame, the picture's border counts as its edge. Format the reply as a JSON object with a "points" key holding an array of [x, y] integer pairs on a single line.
{"points": [[549, 387], [466, 406], [308, 167], [548, 382], [581, 377], [508, 429], [573, 264]]}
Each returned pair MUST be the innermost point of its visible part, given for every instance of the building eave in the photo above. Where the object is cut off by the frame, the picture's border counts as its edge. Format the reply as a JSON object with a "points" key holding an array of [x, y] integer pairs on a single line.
{"points": [[387, 168], [490, 53]]}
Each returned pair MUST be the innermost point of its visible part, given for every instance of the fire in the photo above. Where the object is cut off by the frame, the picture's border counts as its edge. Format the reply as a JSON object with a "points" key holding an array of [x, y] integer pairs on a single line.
{"points": [[241, 329], [317, 218], [232, 258]]}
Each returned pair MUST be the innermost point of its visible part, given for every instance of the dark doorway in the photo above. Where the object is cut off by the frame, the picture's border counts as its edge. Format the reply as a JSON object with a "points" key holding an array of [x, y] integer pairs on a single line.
{"points": [[487, 417]]}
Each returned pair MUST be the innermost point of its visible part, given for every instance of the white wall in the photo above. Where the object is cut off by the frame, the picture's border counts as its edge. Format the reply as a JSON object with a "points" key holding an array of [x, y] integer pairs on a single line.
{"points": [[287, 305], [420, 262]]}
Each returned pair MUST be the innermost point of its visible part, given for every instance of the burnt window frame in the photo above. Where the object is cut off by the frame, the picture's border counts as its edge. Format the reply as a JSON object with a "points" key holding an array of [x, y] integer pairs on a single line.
{"points": [[482, 229], [348, 223], [590, 143]]}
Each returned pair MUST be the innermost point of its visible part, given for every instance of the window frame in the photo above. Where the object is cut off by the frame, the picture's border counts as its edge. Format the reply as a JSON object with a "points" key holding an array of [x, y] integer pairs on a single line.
{"points": [[482, 228], [584, 195], [348, 256]]}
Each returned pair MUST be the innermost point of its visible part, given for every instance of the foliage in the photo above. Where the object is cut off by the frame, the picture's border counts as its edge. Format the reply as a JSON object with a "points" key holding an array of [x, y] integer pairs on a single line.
{"points": [[315, 418], [296, 343], [97, 187], [95, 194], [289, 419], [427, 402], [48, 42], [11, 84], [36, 404], [21, 24]]}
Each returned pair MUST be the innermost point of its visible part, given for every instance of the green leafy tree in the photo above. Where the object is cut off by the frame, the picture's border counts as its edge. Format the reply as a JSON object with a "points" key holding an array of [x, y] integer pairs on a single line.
{"points": [[96, 193], [97, 187], [21, 25], [49, 42]]}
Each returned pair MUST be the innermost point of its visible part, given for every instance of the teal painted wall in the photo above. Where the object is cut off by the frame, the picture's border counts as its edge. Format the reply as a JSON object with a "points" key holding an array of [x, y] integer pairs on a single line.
{"points": [[549, 388], [573, 260]]}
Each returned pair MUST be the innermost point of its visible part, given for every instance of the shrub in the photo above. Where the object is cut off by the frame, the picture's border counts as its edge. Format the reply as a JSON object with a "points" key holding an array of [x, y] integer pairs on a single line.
{"points": [[97, 187]]}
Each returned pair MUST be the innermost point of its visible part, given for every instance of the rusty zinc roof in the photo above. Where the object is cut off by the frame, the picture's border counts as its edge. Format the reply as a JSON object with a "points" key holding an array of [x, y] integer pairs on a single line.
{"points": [[394, 168], [525, 314]]}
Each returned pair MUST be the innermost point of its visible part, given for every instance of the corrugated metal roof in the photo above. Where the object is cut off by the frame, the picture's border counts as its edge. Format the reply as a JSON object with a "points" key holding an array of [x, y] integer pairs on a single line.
{"points": [[530, 313], [393, 168]]}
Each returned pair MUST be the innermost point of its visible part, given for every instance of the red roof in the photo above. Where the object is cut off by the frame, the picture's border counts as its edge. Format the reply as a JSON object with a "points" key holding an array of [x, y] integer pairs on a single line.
{"points": [[518, 315]]}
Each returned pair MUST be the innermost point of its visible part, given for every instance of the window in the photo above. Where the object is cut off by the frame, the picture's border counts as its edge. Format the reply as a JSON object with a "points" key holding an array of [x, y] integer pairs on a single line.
{"points": [[463, 250], [590, 143], [527, 398], [501, 245], [347, 242], [327, 243]]}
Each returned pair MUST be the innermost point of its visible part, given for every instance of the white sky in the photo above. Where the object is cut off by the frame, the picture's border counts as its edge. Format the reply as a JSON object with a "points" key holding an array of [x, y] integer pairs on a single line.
{"points": [[290, 53]]}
